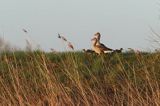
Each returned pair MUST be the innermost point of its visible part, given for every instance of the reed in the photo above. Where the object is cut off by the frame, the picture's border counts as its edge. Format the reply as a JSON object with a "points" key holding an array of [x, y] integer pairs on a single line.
{"points": [[77, 78]]}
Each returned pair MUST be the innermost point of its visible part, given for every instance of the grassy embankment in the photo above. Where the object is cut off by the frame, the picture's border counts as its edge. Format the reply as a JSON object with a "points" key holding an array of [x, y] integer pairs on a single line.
{"points": [[79, 79]]}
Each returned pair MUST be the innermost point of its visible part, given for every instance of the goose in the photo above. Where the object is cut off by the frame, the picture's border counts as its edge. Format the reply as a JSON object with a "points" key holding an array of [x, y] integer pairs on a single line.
{"points": [[97, 48], [118, 50], [88, 51], [98, 36]]}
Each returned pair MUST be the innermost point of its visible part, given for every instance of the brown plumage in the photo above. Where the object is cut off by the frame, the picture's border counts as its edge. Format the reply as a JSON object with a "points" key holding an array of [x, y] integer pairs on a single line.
{"points": [[98, 36], [97, 48]]}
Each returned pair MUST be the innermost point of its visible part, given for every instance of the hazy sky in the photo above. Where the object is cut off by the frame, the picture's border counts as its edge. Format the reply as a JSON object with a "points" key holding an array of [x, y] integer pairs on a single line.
{"points": [[122, 23]]}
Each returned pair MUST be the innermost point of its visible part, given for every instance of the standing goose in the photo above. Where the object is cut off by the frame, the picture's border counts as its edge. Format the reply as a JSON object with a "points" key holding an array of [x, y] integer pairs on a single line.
{"points": [[97, 48], [98, 36]]}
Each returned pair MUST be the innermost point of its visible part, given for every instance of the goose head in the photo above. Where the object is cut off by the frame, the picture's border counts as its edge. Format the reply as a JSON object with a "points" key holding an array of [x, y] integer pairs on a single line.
{"points": [[97, 35]]}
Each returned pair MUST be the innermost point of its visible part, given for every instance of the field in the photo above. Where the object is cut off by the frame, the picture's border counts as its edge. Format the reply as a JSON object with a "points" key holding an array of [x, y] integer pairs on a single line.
{"points": [[76, 78]]}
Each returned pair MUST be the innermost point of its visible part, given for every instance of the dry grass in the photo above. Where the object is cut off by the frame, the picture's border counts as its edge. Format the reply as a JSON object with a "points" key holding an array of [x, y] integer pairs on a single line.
{"points": [[37, 78]]}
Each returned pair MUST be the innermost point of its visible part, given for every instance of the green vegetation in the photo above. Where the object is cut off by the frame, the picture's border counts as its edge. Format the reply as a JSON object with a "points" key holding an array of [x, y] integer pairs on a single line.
{"points": [[76, 78]]}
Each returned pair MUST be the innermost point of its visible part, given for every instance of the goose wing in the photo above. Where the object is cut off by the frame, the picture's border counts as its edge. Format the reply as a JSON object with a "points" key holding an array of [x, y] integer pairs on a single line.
{"points": [[104, 48]]}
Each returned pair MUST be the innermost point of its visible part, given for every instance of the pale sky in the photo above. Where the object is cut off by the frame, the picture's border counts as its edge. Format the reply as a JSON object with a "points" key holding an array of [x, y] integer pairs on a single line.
{"points": [[122, 23]]}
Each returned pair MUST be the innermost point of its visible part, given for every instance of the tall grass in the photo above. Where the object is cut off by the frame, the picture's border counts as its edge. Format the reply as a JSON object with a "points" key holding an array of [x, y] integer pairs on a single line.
{"points": [[76, 78]]}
